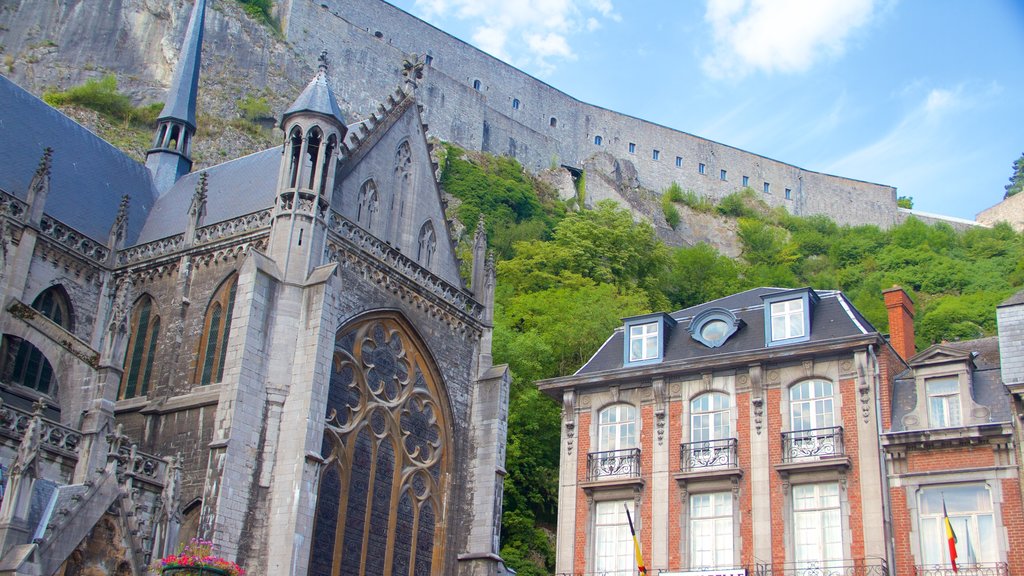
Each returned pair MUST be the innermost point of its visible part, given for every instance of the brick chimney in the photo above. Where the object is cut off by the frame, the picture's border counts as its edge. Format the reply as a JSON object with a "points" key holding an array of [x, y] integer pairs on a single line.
{"points": [[901, 321]]}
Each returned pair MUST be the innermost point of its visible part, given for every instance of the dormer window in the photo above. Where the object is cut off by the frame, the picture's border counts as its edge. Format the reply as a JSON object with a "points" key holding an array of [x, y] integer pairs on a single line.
{"points": [[714, 326], [643, 342], [787, 316], [943, 402], [787, 319], [645, 338]]}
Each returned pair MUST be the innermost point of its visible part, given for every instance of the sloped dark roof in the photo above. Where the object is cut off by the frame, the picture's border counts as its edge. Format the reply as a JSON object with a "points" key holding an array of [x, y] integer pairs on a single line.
{"points": [[1017, 298], [829, 319], [237, 187], [88, 175], [181, 98], [986, 350], [317, 98]]}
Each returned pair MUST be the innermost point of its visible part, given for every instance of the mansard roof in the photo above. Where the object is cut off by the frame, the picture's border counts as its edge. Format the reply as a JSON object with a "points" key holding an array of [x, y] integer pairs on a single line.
{"points": [[237, 187], [833, 317], [88, 175]]}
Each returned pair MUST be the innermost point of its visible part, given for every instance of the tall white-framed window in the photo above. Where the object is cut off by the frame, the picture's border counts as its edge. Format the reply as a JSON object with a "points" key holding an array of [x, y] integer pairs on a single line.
{"points": [[811, 405], [711, 531], [709, 417], [643, 342], [616, 428], [943, 401], [817, 525], [787, 318], [613, 544], [970, 514]]}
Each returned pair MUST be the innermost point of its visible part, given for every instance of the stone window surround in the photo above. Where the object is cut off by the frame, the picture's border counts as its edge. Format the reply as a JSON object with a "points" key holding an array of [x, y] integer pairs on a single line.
{"points": [[710, 484], [815, 477], [698, 323], [914, 483], [634, 493]]}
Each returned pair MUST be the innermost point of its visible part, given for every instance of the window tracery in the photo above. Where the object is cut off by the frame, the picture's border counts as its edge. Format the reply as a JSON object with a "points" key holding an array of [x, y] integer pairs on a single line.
{"points": [[138, 368], [213, 344]]}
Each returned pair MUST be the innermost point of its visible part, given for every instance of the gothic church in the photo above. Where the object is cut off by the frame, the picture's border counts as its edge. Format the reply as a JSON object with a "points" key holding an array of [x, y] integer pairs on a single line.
{"points": [[277, 353]]}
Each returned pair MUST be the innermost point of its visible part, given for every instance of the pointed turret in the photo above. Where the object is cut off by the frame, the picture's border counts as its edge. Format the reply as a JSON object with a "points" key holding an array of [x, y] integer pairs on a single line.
{"points": [[315, 132], [170, 157]]}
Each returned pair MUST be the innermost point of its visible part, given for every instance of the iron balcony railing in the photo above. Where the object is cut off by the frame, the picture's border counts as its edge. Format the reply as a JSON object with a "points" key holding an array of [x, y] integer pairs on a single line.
{"points": [[817, 443], [708, 454], [982, 569], [613, 464], [856, 567]]}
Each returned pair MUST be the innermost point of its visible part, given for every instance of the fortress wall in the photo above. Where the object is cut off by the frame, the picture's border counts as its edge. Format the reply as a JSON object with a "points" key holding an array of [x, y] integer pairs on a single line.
{"points": [[374, 37]]}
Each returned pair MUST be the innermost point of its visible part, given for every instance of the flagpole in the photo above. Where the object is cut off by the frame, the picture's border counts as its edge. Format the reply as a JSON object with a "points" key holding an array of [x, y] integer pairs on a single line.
{"points": [[950, 535]]}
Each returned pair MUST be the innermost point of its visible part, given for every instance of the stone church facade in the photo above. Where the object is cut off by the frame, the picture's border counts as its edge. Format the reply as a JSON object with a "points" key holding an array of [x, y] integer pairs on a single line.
{"points": [[277, 353]]}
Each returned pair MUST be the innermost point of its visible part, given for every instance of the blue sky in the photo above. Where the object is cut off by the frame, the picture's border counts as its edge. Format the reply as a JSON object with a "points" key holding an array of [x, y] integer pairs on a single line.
{"points": [[924, 95]]}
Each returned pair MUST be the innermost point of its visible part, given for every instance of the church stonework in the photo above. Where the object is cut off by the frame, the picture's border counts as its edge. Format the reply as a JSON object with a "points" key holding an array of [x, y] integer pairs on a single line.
{"points": [[277, 353]]}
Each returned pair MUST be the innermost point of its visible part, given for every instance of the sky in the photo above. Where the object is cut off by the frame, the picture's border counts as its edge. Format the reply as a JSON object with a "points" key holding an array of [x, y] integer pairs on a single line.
{"points": [[923, 95]]}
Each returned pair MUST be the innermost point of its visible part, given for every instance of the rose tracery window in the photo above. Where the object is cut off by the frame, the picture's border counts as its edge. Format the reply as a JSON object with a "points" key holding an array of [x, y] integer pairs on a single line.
{"points": [[386, 445]]}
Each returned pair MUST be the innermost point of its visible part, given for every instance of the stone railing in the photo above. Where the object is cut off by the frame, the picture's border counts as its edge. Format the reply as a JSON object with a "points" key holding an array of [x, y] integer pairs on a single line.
{"points": [[613, 464], [149, 250], [74, 240], [344, 229], [136, 463], [708, 454], [12, 207], [55, 437], [817, 443], [234, 227]]}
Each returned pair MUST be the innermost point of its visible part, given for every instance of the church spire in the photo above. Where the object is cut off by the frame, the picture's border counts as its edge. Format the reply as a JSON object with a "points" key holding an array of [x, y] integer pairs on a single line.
{"points": [[170, 157]]}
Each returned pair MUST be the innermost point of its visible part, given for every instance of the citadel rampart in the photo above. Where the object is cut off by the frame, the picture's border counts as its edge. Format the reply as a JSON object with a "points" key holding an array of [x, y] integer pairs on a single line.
{"points": [[482, 103]]}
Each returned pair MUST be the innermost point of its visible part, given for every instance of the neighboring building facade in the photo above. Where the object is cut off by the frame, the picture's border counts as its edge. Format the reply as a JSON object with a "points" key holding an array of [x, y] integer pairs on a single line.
{"points": [[277, 353], [754, 434]]}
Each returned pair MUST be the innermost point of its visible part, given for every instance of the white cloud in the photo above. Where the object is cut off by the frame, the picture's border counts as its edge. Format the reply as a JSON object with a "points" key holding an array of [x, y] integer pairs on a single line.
{"points": [[528, 33], [779, 36]]}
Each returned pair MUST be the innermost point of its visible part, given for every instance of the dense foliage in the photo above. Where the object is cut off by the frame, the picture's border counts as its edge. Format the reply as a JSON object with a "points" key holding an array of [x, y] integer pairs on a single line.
{"points": [[103, 96], [566, 279]]}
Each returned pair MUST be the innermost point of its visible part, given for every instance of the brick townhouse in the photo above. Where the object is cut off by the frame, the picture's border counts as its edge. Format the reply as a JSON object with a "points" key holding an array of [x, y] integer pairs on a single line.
{"points": [[755, 434]]}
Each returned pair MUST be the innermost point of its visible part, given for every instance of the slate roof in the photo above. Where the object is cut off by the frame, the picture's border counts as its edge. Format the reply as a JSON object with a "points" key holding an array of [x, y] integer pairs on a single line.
{"points": [[237, 187], [88, 175], [181, 98], [317, 98], [832, 317], [1017, 298]]}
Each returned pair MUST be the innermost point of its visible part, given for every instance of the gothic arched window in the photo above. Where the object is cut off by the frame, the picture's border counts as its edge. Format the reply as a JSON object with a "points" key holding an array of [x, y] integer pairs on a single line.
{"points": [[213, 345], [428, 244], [313, 139], [332, 143], [368, 204], [138, 364], [25, 364], [295, 143], [387, 456]]}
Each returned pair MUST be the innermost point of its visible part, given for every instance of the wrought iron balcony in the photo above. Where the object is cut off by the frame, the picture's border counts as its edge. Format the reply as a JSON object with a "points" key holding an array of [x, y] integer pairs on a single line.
{"points": [[811, 444], [983, 569], [708, 454], [857, 567], [613, 464]]}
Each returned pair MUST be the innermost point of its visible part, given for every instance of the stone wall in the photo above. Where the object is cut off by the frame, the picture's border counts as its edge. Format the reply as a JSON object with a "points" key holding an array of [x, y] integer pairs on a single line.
{"points": [[1010, 210], [514, 114]]}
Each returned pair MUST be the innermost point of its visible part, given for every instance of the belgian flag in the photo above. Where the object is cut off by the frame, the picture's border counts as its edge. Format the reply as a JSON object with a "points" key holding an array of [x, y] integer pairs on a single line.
{"points": [[950, 535], [636, 546]]}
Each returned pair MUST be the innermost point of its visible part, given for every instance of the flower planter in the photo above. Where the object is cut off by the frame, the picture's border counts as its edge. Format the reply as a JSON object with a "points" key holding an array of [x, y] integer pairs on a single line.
{"points": [[192, 571]]}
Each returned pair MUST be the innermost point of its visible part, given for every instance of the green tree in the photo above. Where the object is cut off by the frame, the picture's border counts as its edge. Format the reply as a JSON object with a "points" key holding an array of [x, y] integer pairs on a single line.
{"points": [[905, 202], [1016, 179]]}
